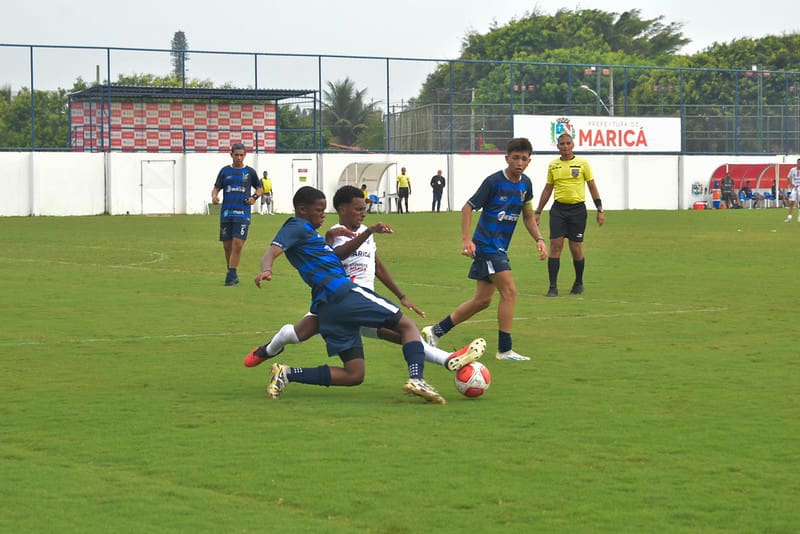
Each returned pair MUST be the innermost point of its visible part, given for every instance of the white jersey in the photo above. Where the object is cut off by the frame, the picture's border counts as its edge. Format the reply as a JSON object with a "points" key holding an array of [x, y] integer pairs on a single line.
{"points": [[794, 178], [360, 265]]}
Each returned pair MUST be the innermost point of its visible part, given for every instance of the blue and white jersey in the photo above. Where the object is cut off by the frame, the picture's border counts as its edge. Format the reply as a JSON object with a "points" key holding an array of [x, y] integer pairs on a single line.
{"points": [[236, 185], [501, 201], [314, 259]]}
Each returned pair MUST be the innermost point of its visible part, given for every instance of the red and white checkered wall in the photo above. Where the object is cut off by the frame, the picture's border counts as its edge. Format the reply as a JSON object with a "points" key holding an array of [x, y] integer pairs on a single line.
{"points": [[169, 127]]}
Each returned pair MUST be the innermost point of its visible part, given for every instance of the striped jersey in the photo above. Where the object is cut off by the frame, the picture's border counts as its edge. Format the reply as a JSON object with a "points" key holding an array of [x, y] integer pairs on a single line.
{"points": [[501, 202], [236, 185], [317, 263]]}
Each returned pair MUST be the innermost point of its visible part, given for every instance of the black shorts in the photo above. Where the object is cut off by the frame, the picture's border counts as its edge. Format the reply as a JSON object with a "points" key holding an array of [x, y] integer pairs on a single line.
{"points": [[484, 266], [568, 220]]}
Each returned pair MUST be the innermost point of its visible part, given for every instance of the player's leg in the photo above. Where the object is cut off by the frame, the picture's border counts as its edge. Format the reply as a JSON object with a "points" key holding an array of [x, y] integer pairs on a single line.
{"points": [[235, 254], [225, 237], [504, 282], [288, 334], [482, 299], [451, 360], [351, 374]]}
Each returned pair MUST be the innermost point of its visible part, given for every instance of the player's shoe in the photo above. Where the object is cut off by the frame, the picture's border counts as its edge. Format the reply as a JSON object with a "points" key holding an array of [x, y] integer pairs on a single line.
{"points": [[258, 355], [429, 337], [277, 380], [468, 354], [418, 386], [552, 292], [232, 282], [511, 355], [577, 289]]}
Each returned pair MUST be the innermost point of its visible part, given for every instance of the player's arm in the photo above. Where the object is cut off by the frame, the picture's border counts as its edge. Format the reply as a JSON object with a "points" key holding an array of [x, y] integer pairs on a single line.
{"points": [[467, 245], [529, 219], [386, 279], [601, 216], [215, 195], [272, 253], [255, 183]]}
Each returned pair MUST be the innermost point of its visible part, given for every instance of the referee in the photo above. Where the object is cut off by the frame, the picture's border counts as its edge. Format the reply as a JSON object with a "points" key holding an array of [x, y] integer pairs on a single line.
{"points": [[567, 178]]}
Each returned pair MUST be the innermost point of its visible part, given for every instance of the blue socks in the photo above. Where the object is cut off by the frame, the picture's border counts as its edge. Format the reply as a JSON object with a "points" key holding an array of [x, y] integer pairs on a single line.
{"points": [[414, 353]]}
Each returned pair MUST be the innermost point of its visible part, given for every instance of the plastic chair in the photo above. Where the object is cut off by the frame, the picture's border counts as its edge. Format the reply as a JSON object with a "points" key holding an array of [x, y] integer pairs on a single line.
{"points": [[376, 202], [745, 200]]}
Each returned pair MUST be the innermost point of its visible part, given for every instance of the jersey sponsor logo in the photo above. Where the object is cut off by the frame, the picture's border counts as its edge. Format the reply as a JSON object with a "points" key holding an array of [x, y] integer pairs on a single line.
{"points": [[503, 216], [361, 254]]}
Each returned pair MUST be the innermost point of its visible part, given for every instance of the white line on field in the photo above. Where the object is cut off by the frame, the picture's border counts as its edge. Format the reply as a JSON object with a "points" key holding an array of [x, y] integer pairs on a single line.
{"points": [[168, 337]]}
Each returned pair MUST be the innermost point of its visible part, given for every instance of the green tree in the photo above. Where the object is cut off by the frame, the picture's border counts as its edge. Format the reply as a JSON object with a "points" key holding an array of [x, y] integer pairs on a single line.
{"points": [[344, 111], [179, 45], [296, 129], [587, 36], [51, 119]]}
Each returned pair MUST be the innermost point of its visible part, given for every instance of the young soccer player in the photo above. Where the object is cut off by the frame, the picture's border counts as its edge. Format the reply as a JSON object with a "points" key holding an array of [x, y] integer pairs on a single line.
{"points": [[794, 191], [502, 197], [235, 181], [355, 245], [342, 307]]}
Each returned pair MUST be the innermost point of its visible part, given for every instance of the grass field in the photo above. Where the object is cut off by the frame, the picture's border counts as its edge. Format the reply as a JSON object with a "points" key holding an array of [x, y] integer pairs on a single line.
{"points": [[664, 399]]}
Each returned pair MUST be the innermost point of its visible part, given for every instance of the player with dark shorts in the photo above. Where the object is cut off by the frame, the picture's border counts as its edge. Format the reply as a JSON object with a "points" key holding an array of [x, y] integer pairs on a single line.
{"points": [[503, 198], [567, 179], [235, 181]]}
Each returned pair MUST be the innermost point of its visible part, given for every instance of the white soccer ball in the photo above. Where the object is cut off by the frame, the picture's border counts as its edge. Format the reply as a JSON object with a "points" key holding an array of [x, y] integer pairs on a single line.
{"points": [[473, 379]]}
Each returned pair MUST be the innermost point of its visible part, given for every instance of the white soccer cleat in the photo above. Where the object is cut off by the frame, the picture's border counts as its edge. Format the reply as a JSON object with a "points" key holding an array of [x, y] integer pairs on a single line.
{"points": [[511, 355], [429, 337], [466, 355]]}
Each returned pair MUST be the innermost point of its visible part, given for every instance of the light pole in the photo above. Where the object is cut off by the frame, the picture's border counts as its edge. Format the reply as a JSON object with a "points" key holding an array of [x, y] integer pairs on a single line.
{"points": [[597, 96], [760, 104]]}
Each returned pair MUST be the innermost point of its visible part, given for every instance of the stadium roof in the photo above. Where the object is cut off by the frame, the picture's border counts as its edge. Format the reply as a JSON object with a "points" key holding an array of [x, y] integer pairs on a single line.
{"points": [[195, 93]]}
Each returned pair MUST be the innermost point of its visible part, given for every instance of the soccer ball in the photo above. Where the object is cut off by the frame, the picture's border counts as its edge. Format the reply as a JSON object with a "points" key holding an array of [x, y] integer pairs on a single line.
{"points": [[473, 379]]}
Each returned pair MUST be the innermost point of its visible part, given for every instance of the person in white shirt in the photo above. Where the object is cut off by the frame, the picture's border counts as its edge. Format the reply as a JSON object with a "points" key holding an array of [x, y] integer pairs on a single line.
{"points": [[794, 191], [355, 245]]}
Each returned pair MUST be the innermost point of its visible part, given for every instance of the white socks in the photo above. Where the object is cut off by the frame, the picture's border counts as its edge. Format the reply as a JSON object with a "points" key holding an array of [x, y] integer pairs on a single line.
{"points": [[285, 336]]}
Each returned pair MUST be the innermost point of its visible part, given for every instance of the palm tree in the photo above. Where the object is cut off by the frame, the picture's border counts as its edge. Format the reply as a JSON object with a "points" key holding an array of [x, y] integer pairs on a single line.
{"points": [[344, 112]]}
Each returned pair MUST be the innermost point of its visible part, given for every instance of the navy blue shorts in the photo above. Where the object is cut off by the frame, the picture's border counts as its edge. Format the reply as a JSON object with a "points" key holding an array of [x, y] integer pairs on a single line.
{"points": [[568, 220], [483, 266], [229, 230], [340, 321]]}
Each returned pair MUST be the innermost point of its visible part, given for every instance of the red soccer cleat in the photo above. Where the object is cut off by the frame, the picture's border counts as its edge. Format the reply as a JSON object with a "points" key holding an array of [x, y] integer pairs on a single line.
{"points": [[252, 359]]}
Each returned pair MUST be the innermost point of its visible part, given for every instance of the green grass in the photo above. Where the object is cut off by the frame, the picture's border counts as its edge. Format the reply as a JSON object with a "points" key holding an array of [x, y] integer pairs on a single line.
{"points": [[665, 399]]}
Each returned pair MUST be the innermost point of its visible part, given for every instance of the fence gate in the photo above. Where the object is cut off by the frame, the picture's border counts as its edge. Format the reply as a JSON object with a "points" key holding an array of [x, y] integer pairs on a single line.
{"points": [[158, 186]]}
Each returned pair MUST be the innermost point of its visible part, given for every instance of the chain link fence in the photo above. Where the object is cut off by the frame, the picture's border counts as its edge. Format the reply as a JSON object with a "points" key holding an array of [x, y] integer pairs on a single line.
{"points": [[418, 105]]}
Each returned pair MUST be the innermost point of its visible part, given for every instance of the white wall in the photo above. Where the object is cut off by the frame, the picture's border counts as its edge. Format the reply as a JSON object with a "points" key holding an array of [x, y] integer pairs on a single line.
{"points": [[60, 183]]}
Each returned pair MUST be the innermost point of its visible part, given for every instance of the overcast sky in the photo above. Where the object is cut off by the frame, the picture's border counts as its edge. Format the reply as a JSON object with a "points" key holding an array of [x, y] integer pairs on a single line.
{"points": [[400, 29]]}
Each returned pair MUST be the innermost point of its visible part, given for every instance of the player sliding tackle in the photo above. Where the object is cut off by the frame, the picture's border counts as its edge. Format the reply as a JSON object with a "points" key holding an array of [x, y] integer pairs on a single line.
{"points": [[334, 317]]}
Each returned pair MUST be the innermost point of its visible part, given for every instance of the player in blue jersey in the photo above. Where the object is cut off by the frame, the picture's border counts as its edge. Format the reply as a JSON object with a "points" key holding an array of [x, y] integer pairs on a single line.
{"points": [[342, 307], [355, 245], [236, 181], [502, 197]]}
